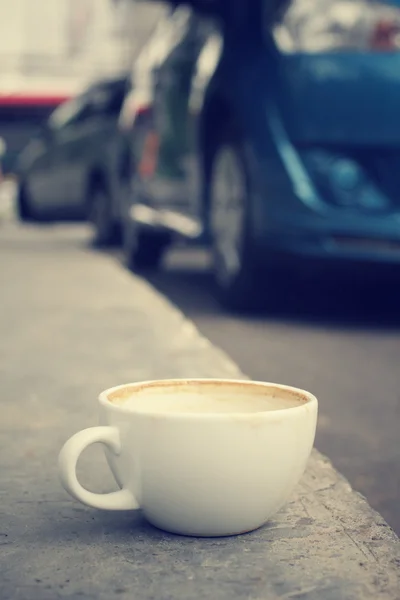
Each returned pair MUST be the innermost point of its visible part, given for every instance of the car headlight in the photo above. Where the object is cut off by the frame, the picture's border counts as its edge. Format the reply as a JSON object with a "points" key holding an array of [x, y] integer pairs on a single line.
{"points": [[343, 182], [345, 175]]}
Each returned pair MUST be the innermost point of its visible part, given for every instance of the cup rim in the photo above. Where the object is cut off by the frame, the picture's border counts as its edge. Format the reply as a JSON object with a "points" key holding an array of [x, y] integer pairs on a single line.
{"points": [[309, 400]]}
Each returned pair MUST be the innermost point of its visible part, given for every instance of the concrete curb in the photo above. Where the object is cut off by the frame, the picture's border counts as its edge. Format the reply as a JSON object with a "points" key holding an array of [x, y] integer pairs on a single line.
{"points": [[88, 325]]}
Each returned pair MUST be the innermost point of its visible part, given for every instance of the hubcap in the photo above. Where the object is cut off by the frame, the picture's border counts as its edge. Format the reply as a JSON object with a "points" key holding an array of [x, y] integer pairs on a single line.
{"points": [[228, 193]]}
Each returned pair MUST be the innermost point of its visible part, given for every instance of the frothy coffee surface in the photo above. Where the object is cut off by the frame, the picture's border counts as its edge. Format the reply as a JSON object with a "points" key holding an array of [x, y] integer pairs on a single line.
{"points": [[206, 401]]}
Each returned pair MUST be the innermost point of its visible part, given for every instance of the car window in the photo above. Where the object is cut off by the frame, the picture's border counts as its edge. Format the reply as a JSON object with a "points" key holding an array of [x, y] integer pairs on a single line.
{"points": [[334, 25]]}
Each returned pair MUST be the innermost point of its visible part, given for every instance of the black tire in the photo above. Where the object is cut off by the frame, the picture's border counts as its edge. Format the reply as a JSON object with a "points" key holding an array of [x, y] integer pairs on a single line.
{"points": [[143, 248], [244, 287], [106, 231], [25, 210]]}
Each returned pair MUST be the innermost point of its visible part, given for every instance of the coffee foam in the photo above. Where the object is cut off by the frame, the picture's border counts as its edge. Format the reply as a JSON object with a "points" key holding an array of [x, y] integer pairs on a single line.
{"points": [[206, 398]]}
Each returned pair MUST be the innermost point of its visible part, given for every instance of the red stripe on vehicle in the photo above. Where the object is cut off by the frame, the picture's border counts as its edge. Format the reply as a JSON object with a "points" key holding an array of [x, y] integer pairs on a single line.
{"points": [[33, 100]]}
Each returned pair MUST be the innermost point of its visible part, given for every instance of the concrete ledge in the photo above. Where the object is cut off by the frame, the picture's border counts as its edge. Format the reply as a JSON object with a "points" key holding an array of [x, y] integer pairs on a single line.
{"points": [[74, 322]]}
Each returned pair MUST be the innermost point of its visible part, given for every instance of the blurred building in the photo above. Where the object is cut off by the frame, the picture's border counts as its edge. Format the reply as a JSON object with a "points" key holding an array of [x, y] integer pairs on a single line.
{"points": [[52, 49], [60, 44]]}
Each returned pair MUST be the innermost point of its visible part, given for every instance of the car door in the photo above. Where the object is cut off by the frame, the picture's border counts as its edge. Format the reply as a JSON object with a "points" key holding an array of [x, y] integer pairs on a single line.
{"points": [[68, 153], [156, 119], [172, 89], [37, 159], [47, 177], [200, 92], [146, 116]]}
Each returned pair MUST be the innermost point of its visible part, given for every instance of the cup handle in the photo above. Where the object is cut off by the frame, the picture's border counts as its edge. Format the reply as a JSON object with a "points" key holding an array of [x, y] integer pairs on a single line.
{"points": [[67, 461]]}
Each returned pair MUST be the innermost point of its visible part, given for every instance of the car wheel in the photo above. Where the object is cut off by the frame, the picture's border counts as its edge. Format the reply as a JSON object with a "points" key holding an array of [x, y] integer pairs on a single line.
{"points": [[25, 209], [239, 275], [106, 230], [143, 249]]}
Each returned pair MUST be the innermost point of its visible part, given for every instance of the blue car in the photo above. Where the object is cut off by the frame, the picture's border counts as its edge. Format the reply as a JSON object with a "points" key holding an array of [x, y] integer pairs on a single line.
{"points": [[270, 131]]}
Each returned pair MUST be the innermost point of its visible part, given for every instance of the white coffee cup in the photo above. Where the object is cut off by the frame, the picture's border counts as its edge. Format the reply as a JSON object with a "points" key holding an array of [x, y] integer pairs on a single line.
{"points": [[201, 457]]}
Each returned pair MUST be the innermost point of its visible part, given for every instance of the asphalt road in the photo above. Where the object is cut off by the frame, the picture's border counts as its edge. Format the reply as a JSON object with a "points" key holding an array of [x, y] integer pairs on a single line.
{"points": [[343, 344]]}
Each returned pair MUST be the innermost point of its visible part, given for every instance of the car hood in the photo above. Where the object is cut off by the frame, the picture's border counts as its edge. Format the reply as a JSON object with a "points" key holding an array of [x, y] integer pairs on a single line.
{"points": [[341, 99]]}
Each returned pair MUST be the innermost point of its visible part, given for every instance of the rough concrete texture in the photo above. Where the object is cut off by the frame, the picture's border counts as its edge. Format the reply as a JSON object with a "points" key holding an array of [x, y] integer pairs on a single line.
{"points": [[72, 323]]}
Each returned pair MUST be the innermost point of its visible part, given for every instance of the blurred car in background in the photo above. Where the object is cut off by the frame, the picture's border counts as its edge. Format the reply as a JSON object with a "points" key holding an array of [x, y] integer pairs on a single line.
{"points": [[68, 170], [271, 144]]}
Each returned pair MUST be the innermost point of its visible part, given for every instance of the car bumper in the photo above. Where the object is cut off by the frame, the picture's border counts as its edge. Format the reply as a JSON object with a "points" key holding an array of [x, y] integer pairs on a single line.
{"points": [[352, 240]]}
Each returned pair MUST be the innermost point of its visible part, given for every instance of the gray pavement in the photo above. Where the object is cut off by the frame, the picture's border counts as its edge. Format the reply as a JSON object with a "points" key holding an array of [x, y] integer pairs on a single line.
{"points": [[73, 322]]}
